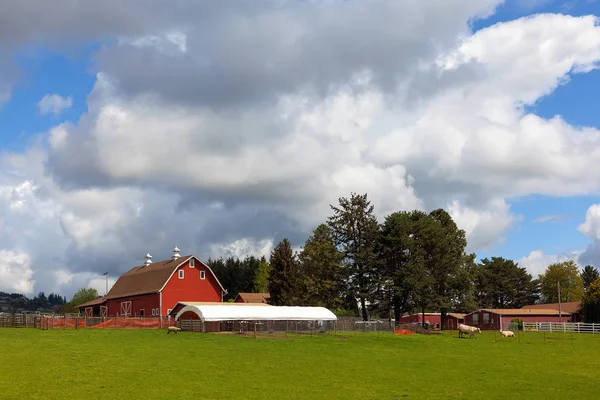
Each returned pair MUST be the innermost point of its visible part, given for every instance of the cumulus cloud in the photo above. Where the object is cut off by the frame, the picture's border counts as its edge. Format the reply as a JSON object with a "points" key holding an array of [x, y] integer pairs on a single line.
{"points": [[550, 218], [54, 104], [226, 133], [537, 261], [590, 227]]}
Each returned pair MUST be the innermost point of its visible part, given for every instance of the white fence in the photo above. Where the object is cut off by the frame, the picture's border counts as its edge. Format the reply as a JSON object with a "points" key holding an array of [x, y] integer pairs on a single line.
{"points": [[575, 327]]}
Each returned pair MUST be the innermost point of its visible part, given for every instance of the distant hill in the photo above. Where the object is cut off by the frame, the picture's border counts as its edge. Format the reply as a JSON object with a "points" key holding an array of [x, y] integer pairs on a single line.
{"points": [[16, 302]]}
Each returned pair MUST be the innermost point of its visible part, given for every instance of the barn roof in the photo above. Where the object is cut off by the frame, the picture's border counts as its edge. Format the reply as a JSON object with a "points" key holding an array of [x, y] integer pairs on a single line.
{"points": [[572, 307], [457, 315], [523, 311], [94, 302], [247, 312], [151, 278], [253, 297]]}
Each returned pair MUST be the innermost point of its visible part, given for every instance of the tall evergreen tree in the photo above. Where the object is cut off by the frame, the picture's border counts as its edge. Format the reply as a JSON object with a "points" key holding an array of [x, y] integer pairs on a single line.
{"points": [[320, 263], [589, 275], [500, 283], [403, 276], [283, 274], [355, 230], [446, 261]]}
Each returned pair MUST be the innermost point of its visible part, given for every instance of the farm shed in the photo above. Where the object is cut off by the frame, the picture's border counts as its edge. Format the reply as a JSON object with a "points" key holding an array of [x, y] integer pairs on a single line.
{"points": [[229, 316], [491, 318], [571, 307], [434, 319], [252, 298], [154, 288]]}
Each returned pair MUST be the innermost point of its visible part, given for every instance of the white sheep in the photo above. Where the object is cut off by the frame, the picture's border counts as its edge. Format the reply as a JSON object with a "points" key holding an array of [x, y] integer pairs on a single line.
{"points": [[173, 329], [471, 330], [507, 333]]}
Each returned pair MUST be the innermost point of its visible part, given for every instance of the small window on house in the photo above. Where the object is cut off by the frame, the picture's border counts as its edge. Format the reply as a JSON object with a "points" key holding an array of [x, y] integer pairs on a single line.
{"points": [[486, 318], [157, 313], [475, 319], [153, 312], [202, 275], [191, 263], [180, 274]]}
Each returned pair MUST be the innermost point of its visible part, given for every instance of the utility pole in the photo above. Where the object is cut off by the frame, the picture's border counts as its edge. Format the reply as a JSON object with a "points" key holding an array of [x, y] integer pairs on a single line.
{"points": [[106, 276], [559, 310]]}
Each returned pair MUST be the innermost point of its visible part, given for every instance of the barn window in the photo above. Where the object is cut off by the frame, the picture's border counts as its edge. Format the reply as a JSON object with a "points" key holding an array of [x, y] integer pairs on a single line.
{"points": [[486, 318], [153, 312], [142, 312], [202, 275], [157, 313], [180, 274], [191, 263], [475, 319]]}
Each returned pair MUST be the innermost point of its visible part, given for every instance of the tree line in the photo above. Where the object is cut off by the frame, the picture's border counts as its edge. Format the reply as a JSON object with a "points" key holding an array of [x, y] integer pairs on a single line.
{"points": [[412, 261]]}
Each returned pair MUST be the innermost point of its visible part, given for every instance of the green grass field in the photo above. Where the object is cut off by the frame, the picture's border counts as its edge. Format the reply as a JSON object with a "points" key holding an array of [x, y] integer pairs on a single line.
{"points": [[149, 364]]}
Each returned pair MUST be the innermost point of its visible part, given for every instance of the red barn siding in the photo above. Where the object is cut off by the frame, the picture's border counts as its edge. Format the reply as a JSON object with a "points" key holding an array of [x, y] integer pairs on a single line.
{"points": [[452, 322], [494, 320], [144, 302], [191, 287], [429, 317]]}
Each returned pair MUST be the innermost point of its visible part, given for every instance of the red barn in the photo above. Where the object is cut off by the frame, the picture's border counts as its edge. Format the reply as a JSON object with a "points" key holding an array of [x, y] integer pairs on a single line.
{"points": [[490, 318], [153, 289], [252, 298], [572, 307]]}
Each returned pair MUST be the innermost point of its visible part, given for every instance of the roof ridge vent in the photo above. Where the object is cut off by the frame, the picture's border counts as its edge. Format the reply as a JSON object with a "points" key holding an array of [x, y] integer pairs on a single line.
{"points": [[175, 253], [148, 259]]}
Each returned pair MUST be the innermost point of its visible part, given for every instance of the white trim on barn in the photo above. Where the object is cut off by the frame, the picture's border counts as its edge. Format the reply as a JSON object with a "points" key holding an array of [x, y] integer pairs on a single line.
{"points": [[244, 312], [223, 290]]}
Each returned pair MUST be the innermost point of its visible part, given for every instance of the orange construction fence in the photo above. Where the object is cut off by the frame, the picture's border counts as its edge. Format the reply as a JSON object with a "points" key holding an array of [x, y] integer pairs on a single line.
{"points": [[106, 323], [403, 332]]}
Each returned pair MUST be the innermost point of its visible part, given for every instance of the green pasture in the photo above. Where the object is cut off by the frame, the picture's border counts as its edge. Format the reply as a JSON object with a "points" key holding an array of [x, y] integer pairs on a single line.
{"points": [[149, 364]]}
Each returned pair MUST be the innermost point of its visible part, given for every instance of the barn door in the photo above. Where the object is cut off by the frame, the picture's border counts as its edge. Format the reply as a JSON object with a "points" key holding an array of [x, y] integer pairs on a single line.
{"points": [[89, 312], [450, 324], [104, 311], [126, 308]]}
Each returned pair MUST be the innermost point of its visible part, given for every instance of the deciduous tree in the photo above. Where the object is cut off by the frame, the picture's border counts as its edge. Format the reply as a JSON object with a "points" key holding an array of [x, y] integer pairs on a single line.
{"points": [[571, 284], [83, 296], [261, 279]]}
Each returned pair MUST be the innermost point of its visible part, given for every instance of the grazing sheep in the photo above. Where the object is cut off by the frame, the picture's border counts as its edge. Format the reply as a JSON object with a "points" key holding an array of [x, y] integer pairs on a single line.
{"points": [[173, 329], [507, 333], [471, 330]]}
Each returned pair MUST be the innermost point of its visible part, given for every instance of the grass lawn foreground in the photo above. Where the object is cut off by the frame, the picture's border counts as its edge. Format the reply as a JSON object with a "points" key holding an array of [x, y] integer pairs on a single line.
{"points": [[149, 364]]}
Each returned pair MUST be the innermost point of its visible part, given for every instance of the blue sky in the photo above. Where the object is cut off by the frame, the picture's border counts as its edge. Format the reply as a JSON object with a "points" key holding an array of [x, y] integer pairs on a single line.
{"points": [[545, 223]]}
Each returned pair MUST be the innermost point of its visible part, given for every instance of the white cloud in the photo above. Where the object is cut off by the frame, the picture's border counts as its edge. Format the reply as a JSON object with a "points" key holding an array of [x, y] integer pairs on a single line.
{"points": [[242, 247], [431, 118], [484, 227], [536, 261], [550, 218], [15, 272], [54, 104]]}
